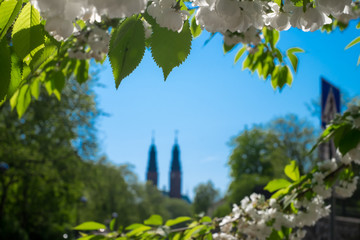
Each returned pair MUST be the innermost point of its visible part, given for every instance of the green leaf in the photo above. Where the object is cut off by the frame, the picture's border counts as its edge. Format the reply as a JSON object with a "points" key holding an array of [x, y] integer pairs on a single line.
{"points": [[121, 238], [177, 236], [127, 48], [349, 140], [193, 231], [358, 26], [239, 54], [82, 71], [155, 220], [195, 29], [90, 226], [45, 55], [58, 83], [16, 75], [112, 224], [271, 36], [9, 9], [247, 62], [208, 237], [278, 2], [353, 42], [134, 226], [293, 59], [169, 49], [281, 76], [14, 99], [92, 237], [274, 235], [23, 100], [28, 34], [292, 171], [5, 68], [275, 38], [35, 88], [138, 231], [277, 184], [177, 220], [227, 48], [205, 219]]}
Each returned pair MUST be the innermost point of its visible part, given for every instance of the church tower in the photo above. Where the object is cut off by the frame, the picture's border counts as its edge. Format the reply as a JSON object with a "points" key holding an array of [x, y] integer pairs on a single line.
{"points": [[175, 172], [152, 174]]}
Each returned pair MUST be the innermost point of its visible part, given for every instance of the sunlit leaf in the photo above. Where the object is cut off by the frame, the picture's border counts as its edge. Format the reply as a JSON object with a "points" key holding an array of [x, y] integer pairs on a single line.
{"points": [[23, 100], [239, 54], [155, 220], [292, 171], [138, 231], [28, 34], [35, 88], [353, 42], [178, 220], [190, 233], [88, 226], [195, 29], [9, 9], [16, 75], [205, 219], [112, 224], [277, 184], [293, 59]]}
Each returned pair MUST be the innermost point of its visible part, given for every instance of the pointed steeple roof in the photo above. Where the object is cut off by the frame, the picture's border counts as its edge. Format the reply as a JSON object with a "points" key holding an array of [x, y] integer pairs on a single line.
{"points": [[175, 160], [152, 164]]}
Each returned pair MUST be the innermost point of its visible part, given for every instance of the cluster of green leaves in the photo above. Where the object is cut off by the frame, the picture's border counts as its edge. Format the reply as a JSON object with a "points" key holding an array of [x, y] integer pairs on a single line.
{"points": [[152, 228], [31, 58], [268, 61], [342, 131], [281, 186], [127, 46]]}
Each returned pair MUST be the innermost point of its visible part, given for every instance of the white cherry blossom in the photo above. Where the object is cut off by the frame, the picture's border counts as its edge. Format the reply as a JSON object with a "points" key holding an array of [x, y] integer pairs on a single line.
{"points": [[167, 15], [311, 20]]}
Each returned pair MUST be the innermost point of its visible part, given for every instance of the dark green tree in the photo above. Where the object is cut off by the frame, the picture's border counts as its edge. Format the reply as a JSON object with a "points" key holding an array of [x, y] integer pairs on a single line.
{"points": [[43, 183], [297, 137], [205, 196], [260, 154]]}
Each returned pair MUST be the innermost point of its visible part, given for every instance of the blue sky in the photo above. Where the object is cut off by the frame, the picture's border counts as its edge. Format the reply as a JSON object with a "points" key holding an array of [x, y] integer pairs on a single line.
{"points": [[209, 100]]}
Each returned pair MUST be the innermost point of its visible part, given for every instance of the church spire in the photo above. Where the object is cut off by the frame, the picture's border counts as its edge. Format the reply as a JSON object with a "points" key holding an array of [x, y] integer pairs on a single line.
{"points": [[152, 174], [175, 171]]}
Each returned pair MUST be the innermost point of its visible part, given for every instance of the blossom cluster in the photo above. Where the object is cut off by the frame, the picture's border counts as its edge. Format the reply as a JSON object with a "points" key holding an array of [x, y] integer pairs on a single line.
{"points": [[255, 218], [242, 17], [92, 42], [238, 16], [61, 15]]}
